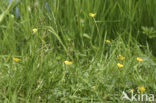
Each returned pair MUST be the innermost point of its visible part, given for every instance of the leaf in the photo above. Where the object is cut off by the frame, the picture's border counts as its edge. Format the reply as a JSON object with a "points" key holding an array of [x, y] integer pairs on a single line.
{"points": [[86, 36], [149, 31]]}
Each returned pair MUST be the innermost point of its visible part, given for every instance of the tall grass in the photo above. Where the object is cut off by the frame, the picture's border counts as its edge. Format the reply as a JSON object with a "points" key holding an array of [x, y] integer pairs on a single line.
{"points": [[67, 32]]}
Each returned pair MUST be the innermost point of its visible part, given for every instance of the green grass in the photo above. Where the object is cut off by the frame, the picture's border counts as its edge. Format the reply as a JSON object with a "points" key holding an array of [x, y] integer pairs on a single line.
{"points": [[66, 32]]}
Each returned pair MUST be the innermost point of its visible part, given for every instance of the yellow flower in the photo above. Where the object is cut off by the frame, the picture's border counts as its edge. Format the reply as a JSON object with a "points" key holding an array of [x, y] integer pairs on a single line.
{"points": [[92, 15], [16, 59], [121, 57], [67, 62], [94, 87], [120, 65], [35, 30], [141, 89], [132, 90], [139, 59], [107, 41]]}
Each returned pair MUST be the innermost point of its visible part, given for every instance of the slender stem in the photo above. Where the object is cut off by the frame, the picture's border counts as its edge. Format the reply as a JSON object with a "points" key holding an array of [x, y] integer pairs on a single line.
{"points": [[97, 30], [99, 36]]}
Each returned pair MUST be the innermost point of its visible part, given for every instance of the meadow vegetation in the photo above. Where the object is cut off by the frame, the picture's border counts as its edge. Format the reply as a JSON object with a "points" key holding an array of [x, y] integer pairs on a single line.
{"points": [[76, 51]]}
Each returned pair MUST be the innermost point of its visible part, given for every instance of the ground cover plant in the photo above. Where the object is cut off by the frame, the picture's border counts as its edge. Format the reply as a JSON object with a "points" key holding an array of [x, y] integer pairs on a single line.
{"points": [[77, 51]]}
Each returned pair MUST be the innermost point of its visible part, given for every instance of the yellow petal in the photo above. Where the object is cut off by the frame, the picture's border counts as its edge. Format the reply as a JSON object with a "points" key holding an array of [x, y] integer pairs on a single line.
{"points": [[94, 87], [67, 62], [92, 14], [141, 89], [132, 90], [121, 57], [139, 59], [35, 30], [16, 59], [107, 41], [120, 65]]}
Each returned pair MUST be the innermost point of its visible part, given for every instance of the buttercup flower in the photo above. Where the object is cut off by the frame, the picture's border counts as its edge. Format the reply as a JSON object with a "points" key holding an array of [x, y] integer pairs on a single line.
{"points": [[121, 57], [107, 41], [141, 89], [67, 62], [35, 30], [92, 15], [132, 90], [120, 65], [94, 87], [16, 59], [139, 59]]}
